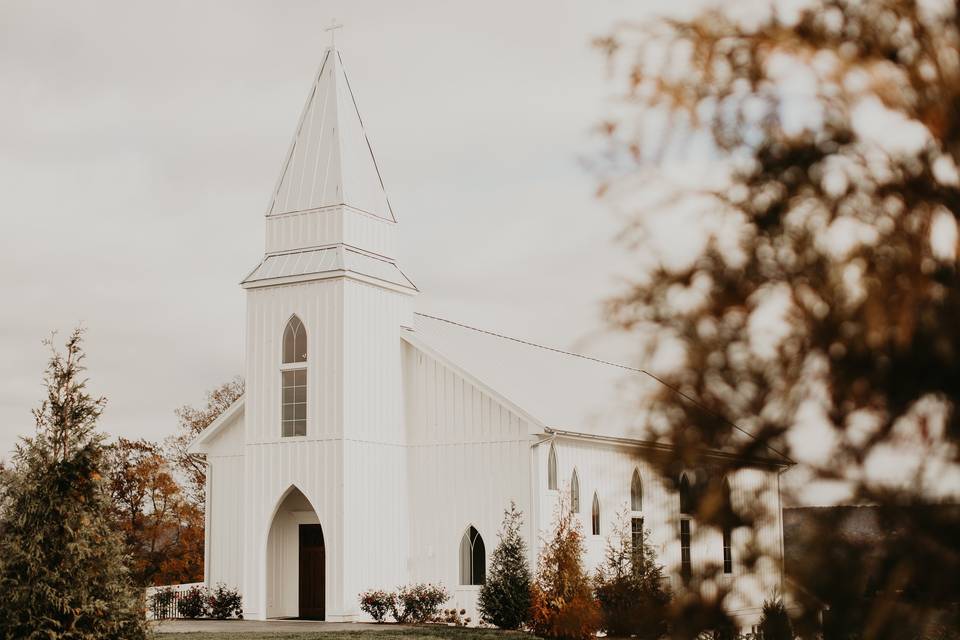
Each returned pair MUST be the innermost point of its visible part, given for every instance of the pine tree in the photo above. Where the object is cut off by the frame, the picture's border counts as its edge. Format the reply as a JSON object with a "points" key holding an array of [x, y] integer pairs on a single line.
{"points": [[505, 596], [775, 622], [562, 603], [62, 571], [630, 585]]}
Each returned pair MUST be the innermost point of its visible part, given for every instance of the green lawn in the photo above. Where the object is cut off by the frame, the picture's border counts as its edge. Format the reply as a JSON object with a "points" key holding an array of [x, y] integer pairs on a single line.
{"points": [[420, 633]]}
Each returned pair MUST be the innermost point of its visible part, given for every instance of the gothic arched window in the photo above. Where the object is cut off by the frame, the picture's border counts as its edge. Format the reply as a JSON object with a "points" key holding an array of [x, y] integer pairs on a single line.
{"points": [[552, 468], [595, 515], [636, 492], [293, 379], [473, 558], [686, 495], [574, 492]]}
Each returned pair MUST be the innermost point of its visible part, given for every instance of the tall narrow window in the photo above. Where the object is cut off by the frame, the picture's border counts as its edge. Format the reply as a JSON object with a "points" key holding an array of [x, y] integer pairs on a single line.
{"points": [[686, 510], [293, 380], [727, 529], [686, 495], [636, 492], [552, 468], [636, 534], [575, 492], [595, 515], [473, 558]]}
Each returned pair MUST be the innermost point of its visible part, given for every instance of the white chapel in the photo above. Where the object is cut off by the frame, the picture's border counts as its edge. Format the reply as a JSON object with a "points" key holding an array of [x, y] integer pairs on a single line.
{"points": [[377, 447]]}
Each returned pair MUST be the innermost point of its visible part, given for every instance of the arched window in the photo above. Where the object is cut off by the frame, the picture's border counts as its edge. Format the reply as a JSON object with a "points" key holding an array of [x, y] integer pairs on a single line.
{"points": [[294, 342], [552, 468], [686, 495], [636, 492], [595, 515], [473, 558], [575, 492], [293, 380], [727, 528]]}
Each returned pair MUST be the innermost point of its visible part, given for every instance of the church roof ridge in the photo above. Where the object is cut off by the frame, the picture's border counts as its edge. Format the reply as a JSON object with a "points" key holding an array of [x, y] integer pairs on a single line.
{"points": [[330, 160]]}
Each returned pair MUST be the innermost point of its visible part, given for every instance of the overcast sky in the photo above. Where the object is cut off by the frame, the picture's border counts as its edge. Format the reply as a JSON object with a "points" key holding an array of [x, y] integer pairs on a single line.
{"points": [[139, 144]]}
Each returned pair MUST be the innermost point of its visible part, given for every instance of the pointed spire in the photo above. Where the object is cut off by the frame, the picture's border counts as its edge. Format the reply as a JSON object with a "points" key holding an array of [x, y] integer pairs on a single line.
{"points": [[331, 161]]}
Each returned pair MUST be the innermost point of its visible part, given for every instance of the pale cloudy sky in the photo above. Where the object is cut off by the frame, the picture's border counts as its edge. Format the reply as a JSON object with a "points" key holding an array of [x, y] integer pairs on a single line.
{"points": [[140, 142]]}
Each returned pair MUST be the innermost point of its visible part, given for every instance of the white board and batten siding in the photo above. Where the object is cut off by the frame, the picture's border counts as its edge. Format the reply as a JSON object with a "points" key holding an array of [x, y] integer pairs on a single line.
{"points": [[469, 457]]}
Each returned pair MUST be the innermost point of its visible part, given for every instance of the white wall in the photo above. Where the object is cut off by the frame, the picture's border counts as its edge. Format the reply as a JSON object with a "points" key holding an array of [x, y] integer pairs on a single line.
{"points": [[224, 506], [468, 458]]}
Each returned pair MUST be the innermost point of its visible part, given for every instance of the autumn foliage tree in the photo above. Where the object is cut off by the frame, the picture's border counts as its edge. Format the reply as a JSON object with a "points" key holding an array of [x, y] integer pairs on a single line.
{"points": [[818, 303], [162, 528], [562, 602], [62, 559]]}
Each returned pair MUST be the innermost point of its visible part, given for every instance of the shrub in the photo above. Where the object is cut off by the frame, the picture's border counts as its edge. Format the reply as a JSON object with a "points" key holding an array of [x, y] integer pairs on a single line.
{"points": [[419, 602], [775, 622], [193, 603], [562, 604], [505, 596], [455, 617], [225, 603], [630, 586], [378, 603]]}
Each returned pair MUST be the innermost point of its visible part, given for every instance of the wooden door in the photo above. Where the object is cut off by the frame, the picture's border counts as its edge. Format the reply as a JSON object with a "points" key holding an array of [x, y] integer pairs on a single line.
{"points": [[312, 572]]}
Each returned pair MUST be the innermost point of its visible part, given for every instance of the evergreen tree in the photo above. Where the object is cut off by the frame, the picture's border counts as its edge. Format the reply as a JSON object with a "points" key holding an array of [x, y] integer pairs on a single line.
{"points": [[562, 603], [775, 622], [630, 585], [505, 596], [62, 572]]}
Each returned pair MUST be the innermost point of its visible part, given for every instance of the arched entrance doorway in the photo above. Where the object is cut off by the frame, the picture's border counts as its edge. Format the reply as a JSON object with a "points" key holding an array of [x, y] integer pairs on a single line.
{"points": [[296, 560]]}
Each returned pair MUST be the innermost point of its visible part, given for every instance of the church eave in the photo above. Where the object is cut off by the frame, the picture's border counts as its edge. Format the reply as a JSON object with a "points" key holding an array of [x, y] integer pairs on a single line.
{"points": [[330, 275], [661, 447], [197, 445]]}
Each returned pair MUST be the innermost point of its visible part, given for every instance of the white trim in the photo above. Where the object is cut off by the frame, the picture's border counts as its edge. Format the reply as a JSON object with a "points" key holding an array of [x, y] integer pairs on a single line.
{"points": [[328, 275], [202, 438]]}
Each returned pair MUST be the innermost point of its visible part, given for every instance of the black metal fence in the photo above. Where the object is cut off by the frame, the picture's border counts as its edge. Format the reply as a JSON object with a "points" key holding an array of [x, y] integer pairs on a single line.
{"points": [[163, 603]]}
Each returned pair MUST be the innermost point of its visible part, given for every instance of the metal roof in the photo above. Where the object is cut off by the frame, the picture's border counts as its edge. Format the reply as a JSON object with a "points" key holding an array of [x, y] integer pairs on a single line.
{"points": [[330, 160], [561, 391], [570, 394], [336, 258]]}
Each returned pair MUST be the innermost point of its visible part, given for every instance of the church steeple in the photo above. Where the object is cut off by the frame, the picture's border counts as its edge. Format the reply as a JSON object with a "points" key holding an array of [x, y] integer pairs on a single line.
{"points": [[330, 161], [329, 215]]}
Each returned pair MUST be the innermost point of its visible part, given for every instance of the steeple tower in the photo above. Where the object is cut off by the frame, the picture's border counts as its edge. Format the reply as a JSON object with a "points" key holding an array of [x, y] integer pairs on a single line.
{"points": [[324, 413], [329, 214]]}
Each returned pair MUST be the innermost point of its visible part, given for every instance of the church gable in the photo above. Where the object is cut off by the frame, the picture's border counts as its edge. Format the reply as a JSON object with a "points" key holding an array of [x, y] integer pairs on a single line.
{"points": [[224, 436], [445, 404]]}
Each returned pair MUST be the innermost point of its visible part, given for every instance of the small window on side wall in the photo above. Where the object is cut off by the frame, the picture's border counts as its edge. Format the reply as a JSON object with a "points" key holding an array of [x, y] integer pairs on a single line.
{"points": [[636, 492], [595, 516], [552, 468], [574, 492], [473, 560]]}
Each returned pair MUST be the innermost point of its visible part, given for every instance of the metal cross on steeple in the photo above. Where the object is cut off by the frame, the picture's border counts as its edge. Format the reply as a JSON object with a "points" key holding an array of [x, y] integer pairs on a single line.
{"points": [[334, 25]]}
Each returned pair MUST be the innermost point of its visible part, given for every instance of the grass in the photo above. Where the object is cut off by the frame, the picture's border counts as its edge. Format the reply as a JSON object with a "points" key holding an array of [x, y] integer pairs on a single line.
{"points": [[419, 633]]}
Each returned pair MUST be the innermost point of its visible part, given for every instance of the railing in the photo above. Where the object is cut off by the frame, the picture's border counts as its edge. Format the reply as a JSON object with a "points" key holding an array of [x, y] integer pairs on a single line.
{"points": [[163, 602]]}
